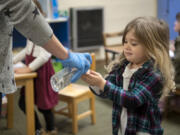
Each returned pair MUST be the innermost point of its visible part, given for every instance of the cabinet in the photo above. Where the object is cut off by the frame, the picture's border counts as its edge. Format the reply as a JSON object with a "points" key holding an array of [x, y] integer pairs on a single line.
{"points": [[167, 10], [60, 27]]}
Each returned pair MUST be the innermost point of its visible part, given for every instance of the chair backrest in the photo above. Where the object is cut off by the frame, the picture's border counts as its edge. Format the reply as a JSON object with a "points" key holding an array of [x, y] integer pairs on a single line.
{"points": [[93, 65], [107, 36], [114, 47]]}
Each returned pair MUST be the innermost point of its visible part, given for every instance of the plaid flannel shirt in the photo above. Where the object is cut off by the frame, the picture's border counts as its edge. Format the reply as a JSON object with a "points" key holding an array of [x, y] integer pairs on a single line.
{"points": [[141, 99]]}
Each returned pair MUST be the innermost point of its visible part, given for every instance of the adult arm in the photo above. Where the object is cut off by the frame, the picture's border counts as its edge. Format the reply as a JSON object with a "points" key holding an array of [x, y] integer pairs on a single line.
{"points": [[26, 18]]}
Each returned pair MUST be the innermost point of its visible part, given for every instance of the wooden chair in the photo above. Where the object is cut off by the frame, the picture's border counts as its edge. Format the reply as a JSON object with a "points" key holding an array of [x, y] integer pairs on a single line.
{"points": [[113, 49], [175, 108], [74, 94], [168, 107]]}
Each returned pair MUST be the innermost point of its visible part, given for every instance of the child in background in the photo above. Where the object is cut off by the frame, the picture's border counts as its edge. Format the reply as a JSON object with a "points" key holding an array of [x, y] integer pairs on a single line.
{"points": [[39, 60], [175, 100], [138, 79], [176, 59]]}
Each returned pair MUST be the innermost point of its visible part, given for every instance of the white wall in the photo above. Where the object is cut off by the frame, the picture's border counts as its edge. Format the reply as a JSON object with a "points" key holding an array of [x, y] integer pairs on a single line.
{"points": [[117, 12]]}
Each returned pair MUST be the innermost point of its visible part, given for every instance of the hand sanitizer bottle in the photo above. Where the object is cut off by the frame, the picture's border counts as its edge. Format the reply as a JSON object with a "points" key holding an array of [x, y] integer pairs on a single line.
{"points": [[62, 78]]}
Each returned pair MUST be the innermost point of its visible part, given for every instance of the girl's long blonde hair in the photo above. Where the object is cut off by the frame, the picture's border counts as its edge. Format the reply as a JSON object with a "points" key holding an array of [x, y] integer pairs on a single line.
{"points": [[154, 35]]}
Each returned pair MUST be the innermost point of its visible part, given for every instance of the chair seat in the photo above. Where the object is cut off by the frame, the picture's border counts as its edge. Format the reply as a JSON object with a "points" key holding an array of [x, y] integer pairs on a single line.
{"points": [[74, 90]]}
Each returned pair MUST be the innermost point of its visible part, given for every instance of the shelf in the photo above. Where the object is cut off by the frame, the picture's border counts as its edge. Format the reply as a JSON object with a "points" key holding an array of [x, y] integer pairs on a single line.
{"points": [[61, 19], [59, 26]]}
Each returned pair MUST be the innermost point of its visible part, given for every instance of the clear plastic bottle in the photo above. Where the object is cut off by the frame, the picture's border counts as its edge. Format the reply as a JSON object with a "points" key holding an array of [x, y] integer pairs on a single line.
{"points": [[62, 78]]}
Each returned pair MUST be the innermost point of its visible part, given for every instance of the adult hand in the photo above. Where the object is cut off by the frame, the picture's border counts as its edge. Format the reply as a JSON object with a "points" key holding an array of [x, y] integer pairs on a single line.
{"points": [[80, 61]]}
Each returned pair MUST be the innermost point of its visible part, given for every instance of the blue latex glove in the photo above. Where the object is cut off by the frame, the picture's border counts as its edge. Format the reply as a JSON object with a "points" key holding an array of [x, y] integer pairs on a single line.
{"points": [[81, 61]]}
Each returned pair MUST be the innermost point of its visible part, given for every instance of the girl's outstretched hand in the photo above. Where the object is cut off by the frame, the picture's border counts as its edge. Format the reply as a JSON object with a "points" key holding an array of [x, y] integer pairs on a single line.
{"points": [[94, 78]]}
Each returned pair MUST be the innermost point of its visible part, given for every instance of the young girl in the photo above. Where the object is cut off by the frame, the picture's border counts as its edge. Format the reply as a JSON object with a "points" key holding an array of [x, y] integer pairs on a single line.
{"points": [[138, 79], [39, 60]]}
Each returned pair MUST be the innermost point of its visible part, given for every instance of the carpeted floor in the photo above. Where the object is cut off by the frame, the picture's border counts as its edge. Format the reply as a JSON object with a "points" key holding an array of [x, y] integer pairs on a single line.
{"points": [[171, 124]]}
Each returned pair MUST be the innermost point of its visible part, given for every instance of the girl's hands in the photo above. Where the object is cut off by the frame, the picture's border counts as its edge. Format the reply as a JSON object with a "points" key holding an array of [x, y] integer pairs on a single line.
{"points": [[81, 61], [95, 79], [22, 70]]}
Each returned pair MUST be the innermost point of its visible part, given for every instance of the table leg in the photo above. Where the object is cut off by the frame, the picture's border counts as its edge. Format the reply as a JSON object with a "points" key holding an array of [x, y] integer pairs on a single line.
{"points": [[74, 117], [10, 110], [30, 107]]}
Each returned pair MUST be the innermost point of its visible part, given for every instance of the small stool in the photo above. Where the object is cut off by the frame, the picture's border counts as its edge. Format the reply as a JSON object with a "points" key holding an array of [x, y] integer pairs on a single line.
{"points": [[72, 95]]}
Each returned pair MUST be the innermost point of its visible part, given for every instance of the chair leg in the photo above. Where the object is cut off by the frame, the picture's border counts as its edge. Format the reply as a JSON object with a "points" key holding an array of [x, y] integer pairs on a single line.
{"points": [[74, 117], [107, 59], [10, 110], [92, 103], [113, 57]]}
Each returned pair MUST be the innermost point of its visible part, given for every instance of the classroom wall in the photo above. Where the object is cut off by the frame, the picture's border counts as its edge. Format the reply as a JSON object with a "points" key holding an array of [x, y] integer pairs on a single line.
{"points": [[117, 13]]}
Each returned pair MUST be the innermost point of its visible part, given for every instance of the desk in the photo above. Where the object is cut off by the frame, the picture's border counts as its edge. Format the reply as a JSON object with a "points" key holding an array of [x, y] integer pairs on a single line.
{"points": [[27, 81]]}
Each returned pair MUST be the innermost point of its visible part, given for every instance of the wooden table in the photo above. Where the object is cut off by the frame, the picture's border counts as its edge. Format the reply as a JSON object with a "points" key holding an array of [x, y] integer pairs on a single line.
{"points": [[27, 81]]}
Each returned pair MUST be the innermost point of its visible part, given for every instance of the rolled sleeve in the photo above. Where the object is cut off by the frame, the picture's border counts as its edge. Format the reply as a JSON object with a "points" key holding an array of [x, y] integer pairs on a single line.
{"points": [[95, 90]]}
